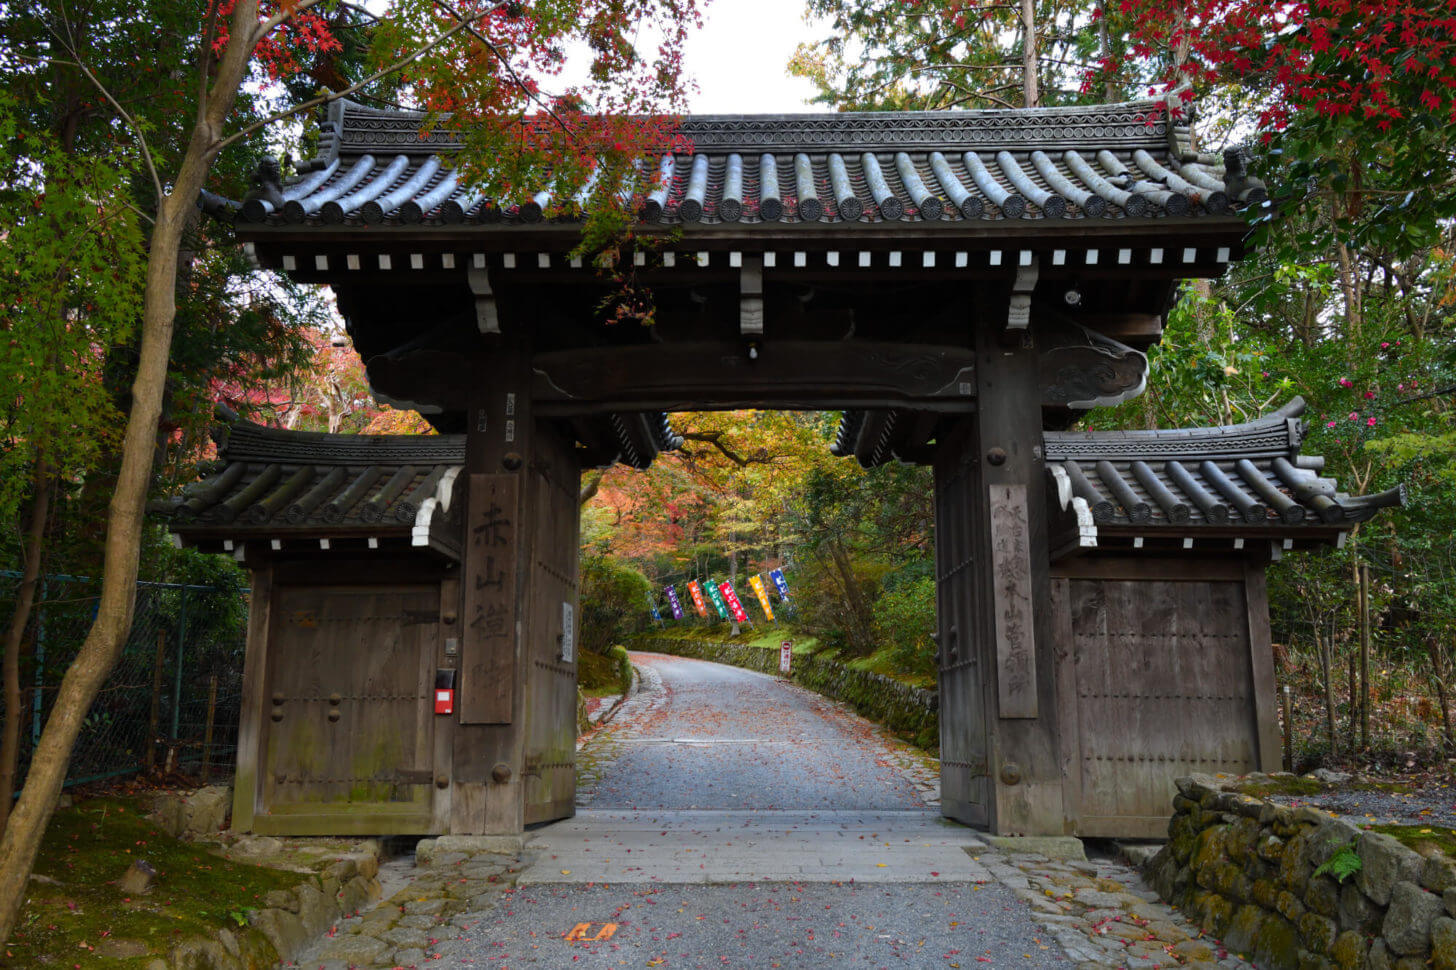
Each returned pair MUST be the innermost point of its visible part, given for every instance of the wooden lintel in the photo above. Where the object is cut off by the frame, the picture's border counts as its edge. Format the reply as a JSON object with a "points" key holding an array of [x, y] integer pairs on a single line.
{"points": [[814, 374]]}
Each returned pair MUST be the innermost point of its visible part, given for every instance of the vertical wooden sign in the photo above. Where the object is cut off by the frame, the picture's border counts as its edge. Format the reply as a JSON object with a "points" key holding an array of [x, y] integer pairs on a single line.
{"points": [[1011, 578], [488, 654]]}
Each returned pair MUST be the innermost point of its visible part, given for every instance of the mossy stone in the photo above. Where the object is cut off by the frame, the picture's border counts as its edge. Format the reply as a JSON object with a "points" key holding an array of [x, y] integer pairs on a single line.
{"points": [[1349, 950], [1443, 943], [1323, 896], [1276, 943], [1318, 931]]}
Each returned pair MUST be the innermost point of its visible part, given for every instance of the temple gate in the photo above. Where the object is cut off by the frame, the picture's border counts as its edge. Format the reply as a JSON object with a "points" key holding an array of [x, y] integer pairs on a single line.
{"points": [[961, 285]]}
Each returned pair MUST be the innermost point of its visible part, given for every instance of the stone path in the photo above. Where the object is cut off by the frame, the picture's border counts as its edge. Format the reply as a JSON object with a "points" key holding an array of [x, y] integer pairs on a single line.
{"points": [[859, 870]]}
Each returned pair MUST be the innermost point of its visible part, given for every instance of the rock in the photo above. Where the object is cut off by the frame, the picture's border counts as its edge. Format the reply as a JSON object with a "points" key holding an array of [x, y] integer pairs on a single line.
{"points": [[1379, 957], [355, 949], [1438, 873], [1407, 926], [406, 937], [199, 954], [205, 811], [1449, 898], [1443, 943], [428, 850], [1243, 931], [1383, 863], [1323, 896], [1191, 950], [284, 930], [411, 957], [1318, 932], [1357, 912], [254, 849], [315, 910], [138, 879], [1331, 777], [1277, 943], [281, 899], [1349, 950]]}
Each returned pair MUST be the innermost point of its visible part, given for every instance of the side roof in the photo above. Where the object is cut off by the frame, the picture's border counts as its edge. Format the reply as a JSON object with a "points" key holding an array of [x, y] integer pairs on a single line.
{"points": [[1235, 482]]}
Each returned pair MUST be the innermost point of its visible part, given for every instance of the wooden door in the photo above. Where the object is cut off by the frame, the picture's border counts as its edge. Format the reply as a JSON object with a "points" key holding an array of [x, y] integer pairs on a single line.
{"points": [[1164, 687], [965, 784], [347, 738], [549, 757]]}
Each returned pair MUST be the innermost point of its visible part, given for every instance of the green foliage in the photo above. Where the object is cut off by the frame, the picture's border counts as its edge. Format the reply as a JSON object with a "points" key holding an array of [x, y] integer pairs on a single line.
{"points": [[623, 666], [1342, 865], [70, 286], [904, 623], [613, 603]]}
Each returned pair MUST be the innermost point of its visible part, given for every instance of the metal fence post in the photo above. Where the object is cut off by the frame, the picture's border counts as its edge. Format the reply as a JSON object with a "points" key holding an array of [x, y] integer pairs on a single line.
{"points": [[181, 648], [35, 717]]}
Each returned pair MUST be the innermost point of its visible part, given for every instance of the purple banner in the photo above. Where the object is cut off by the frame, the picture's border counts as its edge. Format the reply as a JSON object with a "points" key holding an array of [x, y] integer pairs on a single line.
{"points": [[672, 601]]}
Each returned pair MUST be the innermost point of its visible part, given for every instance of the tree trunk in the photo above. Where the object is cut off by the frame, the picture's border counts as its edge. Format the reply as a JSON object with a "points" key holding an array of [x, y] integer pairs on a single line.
{"points": [[125, 513], [31, 544], [1029, 60]]}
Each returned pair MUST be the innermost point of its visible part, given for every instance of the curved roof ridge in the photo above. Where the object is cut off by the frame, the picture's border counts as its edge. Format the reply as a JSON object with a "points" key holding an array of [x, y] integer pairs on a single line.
{"points": [[247, 441], [351, 128], [1278, 434]]}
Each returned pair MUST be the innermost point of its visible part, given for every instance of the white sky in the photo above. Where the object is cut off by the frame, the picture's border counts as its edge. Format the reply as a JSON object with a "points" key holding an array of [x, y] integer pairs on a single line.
{"points": [[740, 58]]}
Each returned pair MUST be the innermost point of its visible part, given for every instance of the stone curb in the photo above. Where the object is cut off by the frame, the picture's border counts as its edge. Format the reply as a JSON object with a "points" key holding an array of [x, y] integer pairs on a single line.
{"points": [[456, 875], [288, 921]]}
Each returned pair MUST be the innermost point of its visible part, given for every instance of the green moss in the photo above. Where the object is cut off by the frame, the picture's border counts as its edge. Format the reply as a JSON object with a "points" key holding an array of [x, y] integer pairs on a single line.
{"points": [[1284, 786], [75, 906], [1390, 787], [1422, 838]]}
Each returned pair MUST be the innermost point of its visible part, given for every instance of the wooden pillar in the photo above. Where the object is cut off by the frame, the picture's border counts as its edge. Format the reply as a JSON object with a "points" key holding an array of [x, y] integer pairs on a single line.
{"points": [[999, 658], [514, 743]]}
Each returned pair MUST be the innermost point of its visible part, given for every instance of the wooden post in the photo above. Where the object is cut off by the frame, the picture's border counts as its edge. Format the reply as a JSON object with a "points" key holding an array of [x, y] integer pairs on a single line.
{"points": [[149, 754], [1364, 656], [207, 731]]}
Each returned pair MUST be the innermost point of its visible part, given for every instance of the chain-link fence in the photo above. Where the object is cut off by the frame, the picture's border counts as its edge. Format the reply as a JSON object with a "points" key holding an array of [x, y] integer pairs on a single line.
{"points": [[170, 705]]}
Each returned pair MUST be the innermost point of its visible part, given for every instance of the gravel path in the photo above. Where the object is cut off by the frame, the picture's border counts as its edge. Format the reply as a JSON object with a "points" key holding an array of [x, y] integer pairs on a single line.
{"points": [[1429, 806]]}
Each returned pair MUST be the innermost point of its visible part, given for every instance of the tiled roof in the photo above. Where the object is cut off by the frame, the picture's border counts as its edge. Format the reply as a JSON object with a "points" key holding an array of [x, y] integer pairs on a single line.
{"points": [[275, 484], [1248, 479], [1110, 162]]}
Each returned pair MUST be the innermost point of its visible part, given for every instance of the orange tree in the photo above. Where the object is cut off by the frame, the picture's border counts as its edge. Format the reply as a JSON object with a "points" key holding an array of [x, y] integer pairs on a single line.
{"points": [[496, 64]]}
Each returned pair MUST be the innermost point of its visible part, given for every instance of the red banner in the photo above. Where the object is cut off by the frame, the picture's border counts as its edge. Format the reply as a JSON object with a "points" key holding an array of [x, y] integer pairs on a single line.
{"points": [[731, 598]]}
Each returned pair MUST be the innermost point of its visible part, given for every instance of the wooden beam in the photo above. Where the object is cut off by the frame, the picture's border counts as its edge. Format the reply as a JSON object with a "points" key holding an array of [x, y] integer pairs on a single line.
{"points": [[786, 374]]}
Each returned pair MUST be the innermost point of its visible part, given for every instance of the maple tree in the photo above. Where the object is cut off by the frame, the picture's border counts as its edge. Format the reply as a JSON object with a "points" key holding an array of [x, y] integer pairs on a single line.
{"points": [[488, 62]]}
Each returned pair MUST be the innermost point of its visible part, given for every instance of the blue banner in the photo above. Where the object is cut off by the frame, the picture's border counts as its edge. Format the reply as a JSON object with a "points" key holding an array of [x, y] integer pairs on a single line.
{"points": [[777, 575]]}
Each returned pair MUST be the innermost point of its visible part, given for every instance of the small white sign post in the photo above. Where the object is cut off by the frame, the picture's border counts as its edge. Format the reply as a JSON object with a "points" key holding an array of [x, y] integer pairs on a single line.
{"points": [[786, 656]]}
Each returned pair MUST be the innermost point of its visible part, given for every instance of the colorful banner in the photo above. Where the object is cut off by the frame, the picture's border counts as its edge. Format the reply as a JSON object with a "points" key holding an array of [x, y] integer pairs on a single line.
{"points": [[697, 594], [716, 595], [740, 615], [777, 576], [672, 601], [756, 581], [656, 616]]}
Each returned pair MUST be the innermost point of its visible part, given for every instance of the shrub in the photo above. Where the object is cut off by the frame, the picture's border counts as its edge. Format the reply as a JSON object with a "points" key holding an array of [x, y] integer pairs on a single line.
{"points": [[904, 622], [613, 603]]}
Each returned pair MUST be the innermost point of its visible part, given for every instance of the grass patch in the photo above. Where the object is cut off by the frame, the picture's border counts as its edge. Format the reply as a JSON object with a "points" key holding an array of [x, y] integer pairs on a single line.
{"points": [[75, 916], [766, 637], [883, 662], [1389, 787], [1422, 838]]}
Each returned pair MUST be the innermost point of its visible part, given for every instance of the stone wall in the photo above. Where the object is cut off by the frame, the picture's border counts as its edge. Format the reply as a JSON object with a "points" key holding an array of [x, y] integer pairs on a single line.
{"points": [[1245, 870], [885, 700]]}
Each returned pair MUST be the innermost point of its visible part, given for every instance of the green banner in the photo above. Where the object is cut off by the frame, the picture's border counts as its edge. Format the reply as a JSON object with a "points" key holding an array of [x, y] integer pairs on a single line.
{"points": [[711, 589]]}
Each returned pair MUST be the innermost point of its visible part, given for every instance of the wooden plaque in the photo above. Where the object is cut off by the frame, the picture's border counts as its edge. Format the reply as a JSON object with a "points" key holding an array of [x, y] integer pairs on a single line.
{"points": [[488, 653], [1011, 576]]}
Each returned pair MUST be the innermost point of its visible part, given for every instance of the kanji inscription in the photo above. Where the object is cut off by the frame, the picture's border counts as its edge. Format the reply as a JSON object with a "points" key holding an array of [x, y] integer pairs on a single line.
{"points": [[1015, 633], [489, 649]]}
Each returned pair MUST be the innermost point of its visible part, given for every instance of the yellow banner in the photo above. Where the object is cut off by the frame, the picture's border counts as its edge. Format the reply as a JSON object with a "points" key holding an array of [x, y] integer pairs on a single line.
{"points": [[757, 583]]}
